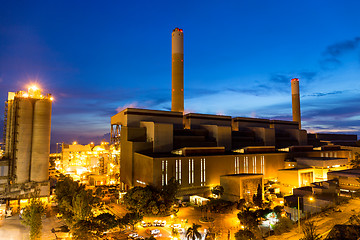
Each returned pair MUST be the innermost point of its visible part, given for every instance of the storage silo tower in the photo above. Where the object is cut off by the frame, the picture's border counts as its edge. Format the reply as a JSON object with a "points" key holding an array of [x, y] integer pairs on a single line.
{"points": [[27, 135]]}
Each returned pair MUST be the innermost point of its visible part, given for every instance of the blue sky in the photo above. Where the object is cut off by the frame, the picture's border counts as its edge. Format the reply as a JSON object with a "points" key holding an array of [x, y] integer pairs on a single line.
{"points": [[98, 57]]}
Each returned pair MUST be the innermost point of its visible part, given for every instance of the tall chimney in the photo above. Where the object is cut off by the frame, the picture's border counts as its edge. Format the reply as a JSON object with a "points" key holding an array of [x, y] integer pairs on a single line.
{"points": [[295, 93], [177, 91]]}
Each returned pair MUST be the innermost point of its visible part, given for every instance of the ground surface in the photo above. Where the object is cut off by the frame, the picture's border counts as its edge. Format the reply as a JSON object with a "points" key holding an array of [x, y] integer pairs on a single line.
{"points": [[225, 224]]}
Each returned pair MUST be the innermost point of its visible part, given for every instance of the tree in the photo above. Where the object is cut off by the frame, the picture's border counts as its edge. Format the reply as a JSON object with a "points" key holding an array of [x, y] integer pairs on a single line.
{"points": [[257, 199], [218, 190], [248, 218], [82, 205], [175, 233], [193, 232], [309, 229], [245, 235], [283, 225], [132, 219], [355, 163], [32, 217]]}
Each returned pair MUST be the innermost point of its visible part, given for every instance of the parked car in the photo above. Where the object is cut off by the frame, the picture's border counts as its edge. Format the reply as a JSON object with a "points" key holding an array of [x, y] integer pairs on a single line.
{"points": [[133, 235], [163, 223]]}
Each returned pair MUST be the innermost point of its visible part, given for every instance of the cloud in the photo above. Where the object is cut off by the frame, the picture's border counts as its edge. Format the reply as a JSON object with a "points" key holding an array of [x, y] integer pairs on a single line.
{"points": [[333, 53], [130, 105], [338, 49], [322, 94]]}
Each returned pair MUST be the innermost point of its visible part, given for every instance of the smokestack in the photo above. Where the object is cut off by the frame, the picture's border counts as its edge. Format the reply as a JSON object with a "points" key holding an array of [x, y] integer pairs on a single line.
{"points": [[295, 93], [177, 51]]}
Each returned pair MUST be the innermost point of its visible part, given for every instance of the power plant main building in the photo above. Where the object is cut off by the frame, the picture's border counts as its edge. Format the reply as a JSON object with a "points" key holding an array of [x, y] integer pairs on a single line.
{"points": [[25, 165], [203, 150]]}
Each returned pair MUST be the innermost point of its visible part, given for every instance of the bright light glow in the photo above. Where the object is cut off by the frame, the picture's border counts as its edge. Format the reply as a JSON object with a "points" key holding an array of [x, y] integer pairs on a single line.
{"points": [[74, 143], [51, 99], [33, 88], [311, 198]]}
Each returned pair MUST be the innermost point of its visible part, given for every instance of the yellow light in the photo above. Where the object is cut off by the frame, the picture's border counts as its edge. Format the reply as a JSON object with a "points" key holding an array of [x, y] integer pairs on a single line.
{"points": [[74, 143], [51, 99], [34, 87], [311, 198], [26, 95]]}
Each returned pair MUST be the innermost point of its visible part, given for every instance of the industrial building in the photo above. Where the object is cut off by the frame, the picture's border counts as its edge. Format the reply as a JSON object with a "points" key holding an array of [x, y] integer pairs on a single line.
{"points": [[24, 167], [198, 149]]}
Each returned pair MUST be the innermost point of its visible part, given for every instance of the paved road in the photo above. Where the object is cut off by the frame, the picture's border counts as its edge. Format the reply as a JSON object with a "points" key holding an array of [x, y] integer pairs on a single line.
{"points": [[12, 229]]}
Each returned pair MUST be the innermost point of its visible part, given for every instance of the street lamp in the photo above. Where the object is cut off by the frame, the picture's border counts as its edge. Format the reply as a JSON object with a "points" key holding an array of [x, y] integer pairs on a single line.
{"points": [[299, 214], [311, 199]]}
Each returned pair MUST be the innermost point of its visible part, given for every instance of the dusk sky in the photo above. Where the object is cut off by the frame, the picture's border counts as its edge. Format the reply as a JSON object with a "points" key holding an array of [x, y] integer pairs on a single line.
{"points": [[99, 57]]}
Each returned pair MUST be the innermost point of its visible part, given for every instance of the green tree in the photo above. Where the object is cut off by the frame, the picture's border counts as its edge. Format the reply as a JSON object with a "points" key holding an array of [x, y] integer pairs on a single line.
{"points": [[245, 235], [82, 203], [249, 219], [355, 163], [132, 219], [193, 232], [309, 230], [32, 217], [257, 199], [218, 190], [283, 225], [175, 233]]}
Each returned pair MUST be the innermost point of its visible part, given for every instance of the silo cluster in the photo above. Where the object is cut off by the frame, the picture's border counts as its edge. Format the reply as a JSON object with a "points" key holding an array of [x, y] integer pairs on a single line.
{"points": [[27, 143]]}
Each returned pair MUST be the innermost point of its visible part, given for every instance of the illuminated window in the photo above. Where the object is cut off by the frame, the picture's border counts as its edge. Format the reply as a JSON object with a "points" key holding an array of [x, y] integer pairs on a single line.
{"points": [[178, 170], [237, 165], [322, 154], [254, 164], [164, 172], [191, 171], [331, 154], [335, 154], [246, 164], [262, 163], [202, 175]]}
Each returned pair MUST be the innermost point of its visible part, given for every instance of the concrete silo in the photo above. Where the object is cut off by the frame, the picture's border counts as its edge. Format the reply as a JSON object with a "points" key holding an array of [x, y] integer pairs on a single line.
{"points": [[23, 135], [27, 143], [40, 149]]}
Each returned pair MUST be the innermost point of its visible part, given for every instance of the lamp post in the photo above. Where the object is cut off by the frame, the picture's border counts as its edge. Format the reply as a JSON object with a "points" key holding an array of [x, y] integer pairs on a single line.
{"points": [[299, 214], [311, 199]]}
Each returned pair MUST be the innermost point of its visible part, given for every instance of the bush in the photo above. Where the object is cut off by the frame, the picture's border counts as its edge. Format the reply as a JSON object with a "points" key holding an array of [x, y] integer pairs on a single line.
{"points": [[284, 225]]}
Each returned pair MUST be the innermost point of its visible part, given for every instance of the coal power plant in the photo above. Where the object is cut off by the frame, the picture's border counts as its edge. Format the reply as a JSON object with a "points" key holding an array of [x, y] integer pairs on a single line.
{"points": [[201, 151], [24, 168]]}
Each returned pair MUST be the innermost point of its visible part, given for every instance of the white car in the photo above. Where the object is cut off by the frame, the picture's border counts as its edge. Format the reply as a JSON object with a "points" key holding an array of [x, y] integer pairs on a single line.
{"points": [[176, 225], [163, 223], [155, 232], [133, 235]]}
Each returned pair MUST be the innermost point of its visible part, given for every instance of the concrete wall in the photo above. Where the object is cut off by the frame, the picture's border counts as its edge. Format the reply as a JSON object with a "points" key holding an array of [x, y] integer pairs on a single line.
{"points": [[160, 134], [222, 134], [194, 120]]}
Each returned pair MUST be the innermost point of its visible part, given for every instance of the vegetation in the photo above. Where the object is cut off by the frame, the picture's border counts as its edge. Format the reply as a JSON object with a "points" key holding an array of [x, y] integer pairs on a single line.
{"points": [[257, 199], [218, 190], [150, 200], [218, 206], [309, 229], [77, 206], [132, 219], [283, 225], [193, 232], [355, 163], [245, 235], [32, 217], [249, 219]]}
